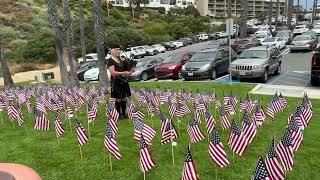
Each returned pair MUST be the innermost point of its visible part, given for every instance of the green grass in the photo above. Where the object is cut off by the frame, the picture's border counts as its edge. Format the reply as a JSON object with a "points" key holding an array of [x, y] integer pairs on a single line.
{"points": [[39, 149]]}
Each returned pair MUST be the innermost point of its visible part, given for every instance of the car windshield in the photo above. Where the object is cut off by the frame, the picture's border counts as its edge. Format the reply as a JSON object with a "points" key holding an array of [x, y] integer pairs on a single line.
{"points": [[260, 36], [269, 40], [147, 47], [302, 38], [173, 59], [299, 27], [86, 64], [282, 34], [254, 54], [142, 62], [203, 56]]}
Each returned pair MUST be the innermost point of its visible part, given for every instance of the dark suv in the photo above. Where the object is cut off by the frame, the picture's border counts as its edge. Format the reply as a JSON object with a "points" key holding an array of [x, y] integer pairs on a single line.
{"points": [[315, 69], [257, 62]]}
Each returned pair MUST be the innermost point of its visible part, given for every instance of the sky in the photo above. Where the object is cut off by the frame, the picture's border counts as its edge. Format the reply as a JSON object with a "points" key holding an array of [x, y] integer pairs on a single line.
{"points": [[303, 2]]}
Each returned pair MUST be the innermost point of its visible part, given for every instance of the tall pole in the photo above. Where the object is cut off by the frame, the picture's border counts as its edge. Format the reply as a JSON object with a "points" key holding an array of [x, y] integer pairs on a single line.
{"points": [[297, 12], [270, 15], [229, 37]]}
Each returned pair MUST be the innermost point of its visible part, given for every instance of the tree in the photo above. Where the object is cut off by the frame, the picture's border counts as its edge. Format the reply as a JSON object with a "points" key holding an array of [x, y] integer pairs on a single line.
{"points": [[277, 11], [243, 18], [8, 82], [100, 40], [137, 3], [270, 15], [176, 11], [289, 19], [82, 36], [191, 11], [74, 81], [58, 40], [261, 16]]}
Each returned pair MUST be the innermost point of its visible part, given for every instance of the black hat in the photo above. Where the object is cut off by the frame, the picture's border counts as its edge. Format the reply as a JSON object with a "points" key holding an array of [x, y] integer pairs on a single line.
{"points": [[114, 46]]}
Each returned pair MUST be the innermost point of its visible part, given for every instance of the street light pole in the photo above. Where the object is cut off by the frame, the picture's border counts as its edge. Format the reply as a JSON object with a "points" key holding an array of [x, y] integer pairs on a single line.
{"points": [[229, 38]]}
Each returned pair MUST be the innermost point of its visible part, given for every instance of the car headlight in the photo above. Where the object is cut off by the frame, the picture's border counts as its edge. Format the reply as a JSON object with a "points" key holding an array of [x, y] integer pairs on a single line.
{"points": [[205, 67], [232, 66], [258, 67], [136, 72], [183, 68], [172, 67]]}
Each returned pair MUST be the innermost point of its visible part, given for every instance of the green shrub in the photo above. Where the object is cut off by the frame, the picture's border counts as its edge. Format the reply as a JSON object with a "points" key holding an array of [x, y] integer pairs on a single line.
{"points": [[18, 47], [5, 18], [10, 33], [157, 31]]}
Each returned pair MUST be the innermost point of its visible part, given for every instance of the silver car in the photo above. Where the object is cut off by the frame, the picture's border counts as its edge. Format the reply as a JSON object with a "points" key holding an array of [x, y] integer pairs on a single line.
{"points": [[257, 62], [303, 42]]}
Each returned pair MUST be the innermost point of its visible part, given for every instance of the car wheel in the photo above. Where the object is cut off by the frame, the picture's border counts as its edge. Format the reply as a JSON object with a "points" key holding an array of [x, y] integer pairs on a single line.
{"points": [[132, 56], [265, 76], [278, 70], [213, 75], [144, 76], [180, 75]]}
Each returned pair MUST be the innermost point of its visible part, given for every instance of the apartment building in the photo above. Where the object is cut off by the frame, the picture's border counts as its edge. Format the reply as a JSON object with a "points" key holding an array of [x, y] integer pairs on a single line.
{"points": [[218, 8], [167, 4]]}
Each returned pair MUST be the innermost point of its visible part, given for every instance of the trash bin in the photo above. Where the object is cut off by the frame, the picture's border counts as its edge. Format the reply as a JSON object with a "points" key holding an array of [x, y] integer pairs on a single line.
{"points": [[47, 76]]}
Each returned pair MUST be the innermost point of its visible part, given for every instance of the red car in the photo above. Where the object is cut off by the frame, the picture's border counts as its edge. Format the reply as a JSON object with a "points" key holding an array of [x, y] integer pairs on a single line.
{"points": [[242, 44], [171, 66]]}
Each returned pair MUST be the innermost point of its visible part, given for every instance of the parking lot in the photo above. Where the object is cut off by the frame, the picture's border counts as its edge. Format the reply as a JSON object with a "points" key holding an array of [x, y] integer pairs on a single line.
{"points": [[295, 67]]}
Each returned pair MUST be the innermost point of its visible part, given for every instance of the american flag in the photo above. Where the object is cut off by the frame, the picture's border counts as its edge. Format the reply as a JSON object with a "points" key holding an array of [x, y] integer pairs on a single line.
{"points": [[273, 166], [29, 108], [259, 116], [189, 171], [285, 151], [307, 100], [296, 134], [68, 112], [298, 116], [283, 101], [200, 107], [229, 108], [261, 171], [277, 104], [20, 116], [248, 128], [163, 122], [81, 133], [146, 161], [242, 105], [216, 150], [306, 111], [92, 111], [217, 103], [226, 98], [224, 119], [169, 134], [164, 97], [3, 104], [237, 141], [194, 131], [110, 143], [172, 108], [210, 122], [182, 109], [270, 110], [41, 121], [58, 127], [141, 128], [137, 114], [130, 109], [112, 113], [40, 106]]}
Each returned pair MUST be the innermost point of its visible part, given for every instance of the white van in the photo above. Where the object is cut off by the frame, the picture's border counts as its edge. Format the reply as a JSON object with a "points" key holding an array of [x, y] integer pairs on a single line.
{"points": [[203, 37]]}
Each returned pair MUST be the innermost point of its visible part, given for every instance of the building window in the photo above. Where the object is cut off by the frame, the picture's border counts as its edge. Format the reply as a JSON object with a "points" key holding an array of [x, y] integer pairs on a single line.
{"points": [[184, 3], [164, 1]]}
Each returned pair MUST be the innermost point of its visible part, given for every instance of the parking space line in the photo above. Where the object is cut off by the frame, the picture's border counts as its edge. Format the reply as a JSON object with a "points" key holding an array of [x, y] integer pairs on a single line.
{"points": [[222, 77], [286, 51], [296, 78], [277, 78], [289, 82]]}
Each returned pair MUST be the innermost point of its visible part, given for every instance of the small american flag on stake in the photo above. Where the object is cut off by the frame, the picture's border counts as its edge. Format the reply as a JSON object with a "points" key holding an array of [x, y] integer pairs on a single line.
{"points": [[224, 119], [285, 151], [210, 122], [58, 127], [273, 166], [296, 134], [261, 171], [169, 134], [81, 133], [194, 131], [146, 161], [189, 171], [248, 128], [216, 150], [237, 141], [141, 128], [41, 121], [110, 143], [92, 111]]}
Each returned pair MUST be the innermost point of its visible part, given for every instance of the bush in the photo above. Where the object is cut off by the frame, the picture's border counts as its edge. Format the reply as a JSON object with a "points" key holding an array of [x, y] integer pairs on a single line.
{"points": [[157, 31], [178, 30], [18, 47], [10, 33], [5, 18]]}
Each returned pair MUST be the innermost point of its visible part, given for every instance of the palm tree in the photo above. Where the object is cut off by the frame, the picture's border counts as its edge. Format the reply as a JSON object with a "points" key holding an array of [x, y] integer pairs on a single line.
{"points": [[314, 10], [137, 3], [70, 44], [270, 15], [289, 17], [82, 37], [100, 40], [8, 82], [243, 18], [58, 39], [277, 11]]}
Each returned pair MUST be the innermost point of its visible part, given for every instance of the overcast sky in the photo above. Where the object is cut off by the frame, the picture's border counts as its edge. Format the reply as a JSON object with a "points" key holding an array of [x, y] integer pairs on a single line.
{"points": [[303, 2]]}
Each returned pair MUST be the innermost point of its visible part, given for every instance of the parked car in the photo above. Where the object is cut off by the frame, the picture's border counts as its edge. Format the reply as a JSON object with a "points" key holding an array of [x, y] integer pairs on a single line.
{"points": [[93, 74], [262, 36], [221, 34], [285, 34], [315, 68], [89, 57], [263, 32], [188, 41], [135, 52], [150, 51], [278, 42], [303, 42], [241, 44], [257, 62], [159, 48], [195, 39], [184, 42], [171, 66], [178, 44], [207, 64], [300, 29], [85, 67], [203, 37], [144, 69], [168, 45], [279, 29], [316, 29]]}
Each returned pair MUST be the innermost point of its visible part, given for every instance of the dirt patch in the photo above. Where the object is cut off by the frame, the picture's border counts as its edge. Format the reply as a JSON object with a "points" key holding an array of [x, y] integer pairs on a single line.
{"points": [[16, 68]]}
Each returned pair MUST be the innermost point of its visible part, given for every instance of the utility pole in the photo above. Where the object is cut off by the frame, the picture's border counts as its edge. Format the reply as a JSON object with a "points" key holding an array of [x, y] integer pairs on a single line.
{"points": [[229, 36], [270, 16], [297, 12], [314, 10]]}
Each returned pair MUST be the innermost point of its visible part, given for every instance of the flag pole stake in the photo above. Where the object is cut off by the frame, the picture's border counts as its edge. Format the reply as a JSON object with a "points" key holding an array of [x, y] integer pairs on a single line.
{"points": [[216, 167], [88, 122], [12, 124], [172, 152], [144, 175], [179, 126], [80, 151], [232, 156], [110, 161], [58, 142], [152, 120]]}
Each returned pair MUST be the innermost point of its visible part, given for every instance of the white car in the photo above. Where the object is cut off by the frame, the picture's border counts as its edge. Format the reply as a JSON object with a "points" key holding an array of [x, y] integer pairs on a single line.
{"points": [[178, 44], [278, 42], [89, 57], [135, 52], [300, 29], [203, 37], [159, 48], [221, 34], [93, 74], [150, 51], [262, 36], [316, 29]]}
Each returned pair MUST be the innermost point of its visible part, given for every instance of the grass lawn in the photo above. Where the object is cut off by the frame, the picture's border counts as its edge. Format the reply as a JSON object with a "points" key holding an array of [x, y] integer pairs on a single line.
{"points": [[39, 149]]}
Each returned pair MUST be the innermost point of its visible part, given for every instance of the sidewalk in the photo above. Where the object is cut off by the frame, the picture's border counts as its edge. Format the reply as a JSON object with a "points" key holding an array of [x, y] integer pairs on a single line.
{"points": [[291, 91]]}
